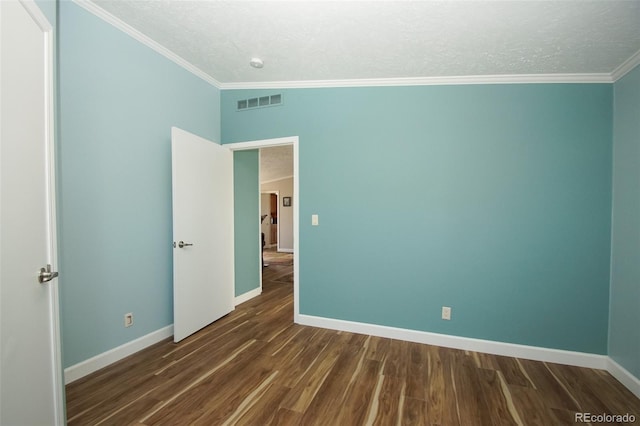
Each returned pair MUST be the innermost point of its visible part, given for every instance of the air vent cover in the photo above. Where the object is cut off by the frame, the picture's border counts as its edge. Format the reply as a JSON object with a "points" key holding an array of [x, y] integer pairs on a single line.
{"points": [[260, 102]]}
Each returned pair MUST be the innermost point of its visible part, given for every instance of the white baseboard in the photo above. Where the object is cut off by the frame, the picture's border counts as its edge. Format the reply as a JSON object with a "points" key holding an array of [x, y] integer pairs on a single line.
{"points": [[630, 381], [580, 359], [97, 362], [285, 250], [535, 353], [248, 296]]}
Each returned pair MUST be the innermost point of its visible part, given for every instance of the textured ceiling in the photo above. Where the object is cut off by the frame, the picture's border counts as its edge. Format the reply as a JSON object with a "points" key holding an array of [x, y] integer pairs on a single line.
{"points": [[276, 163], [335, 40]]}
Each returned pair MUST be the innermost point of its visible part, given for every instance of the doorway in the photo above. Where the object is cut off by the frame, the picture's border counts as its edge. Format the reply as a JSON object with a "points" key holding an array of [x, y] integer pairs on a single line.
{"points": [[294, 207]]}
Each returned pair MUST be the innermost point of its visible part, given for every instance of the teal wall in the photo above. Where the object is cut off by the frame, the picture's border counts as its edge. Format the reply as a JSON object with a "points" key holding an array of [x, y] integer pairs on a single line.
{"points": [[118, 100], [246, 186], [624, 319], [492, 199]]}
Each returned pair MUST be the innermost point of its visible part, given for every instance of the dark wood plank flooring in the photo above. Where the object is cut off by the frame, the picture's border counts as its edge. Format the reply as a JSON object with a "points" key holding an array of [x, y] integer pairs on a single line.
{"points": [[255, 367]]}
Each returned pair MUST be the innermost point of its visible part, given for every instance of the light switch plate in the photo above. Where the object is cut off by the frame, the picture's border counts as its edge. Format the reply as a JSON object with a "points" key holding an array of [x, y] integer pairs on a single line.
{"points": [[314, 219]]}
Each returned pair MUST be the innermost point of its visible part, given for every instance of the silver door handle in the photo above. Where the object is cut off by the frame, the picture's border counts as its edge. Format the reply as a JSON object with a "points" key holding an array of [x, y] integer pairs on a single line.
{"points": [[182, 244], [46, 274]]}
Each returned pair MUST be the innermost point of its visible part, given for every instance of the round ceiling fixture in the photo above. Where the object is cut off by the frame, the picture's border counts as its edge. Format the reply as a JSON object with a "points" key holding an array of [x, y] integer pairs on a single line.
{"points": [[256, 63]]}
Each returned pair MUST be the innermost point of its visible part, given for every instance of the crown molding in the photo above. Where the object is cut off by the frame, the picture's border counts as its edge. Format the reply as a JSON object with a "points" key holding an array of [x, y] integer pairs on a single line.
{"points": [[626, 66], [578, 78], [147, 41], [427, 81]]}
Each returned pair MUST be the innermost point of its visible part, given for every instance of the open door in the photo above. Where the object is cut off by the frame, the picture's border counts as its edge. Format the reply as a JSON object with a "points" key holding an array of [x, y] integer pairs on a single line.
{"points": [[31, 384], [203, 259]]}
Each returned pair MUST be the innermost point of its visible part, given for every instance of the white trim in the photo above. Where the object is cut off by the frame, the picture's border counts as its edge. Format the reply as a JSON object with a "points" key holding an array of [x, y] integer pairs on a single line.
{"points": [[558, 356], [276, 180], [260, 247], [630, 381], [147, 41], [626, 66], [99, 361], [296, 231], [285, 250], [266, 143], [43, 24], [56, 325], [248, 295], [427, 81], [579, 359]]}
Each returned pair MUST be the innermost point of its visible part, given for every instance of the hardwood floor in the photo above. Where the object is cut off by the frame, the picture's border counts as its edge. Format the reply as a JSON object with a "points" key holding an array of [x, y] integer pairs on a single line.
{"points": [[255, 367]]}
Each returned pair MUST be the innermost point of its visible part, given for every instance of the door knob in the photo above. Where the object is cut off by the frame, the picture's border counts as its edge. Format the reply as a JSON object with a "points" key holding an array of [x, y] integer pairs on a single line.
{"points": [[182, 244], [46, 274]]}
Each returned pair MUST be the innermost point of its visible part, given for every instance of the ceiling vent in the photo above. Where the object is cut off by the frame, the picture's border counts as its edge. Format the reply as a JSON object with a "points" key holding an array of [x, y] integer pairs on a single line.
{"points": [[261, 102]]}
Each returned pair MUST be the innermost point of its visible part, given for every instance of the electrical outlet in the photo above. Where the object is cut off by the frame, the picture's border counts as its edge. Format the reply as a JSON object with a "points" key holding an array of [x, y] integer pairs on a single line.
{"points": [[446, 313], [128, 320]]}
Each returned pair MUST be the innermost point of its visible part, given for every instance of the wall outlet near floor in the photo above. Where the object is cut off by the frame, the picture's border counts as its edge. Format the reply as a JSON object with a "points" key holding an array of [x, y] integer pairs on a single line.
{"points": [[446, 313], [128, 320]]}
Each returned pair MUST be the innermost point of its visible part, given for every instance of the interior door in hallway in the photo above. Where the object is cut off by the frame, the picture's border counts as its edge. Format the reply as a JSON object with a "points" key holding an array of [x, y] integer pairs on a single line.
{"points": [[273, 238], [203, 238]]}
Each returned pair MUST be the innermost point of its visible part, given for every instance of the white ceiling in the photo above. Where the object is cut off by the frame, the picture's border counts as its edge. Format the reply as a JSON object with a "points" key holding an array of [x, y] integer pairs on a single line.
{"points": [[316, 43], [276, 163], [338, 40]]}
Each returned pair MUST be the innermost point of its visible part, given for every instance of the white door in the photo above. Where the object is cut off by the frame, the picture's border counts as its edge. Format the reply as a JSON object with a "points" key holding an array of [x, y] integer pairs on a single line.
{"points": [[203, 269], [31, 382]]}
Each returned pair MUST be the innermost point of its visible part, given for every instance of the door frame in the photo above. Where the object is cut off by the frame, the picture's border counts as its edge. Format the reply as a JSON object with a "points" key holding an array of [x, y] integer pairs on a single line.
{"points": [[48, 33], [50, 146], [268, 143]]}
